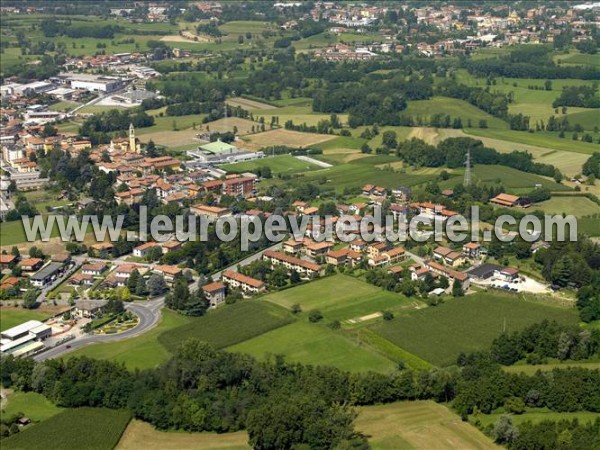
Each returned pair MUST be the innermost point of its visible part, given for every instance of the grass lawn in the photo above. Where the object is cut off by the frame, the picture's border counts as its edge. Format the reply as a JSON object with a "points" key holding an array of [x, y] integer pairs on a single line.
{"points": [[229, 324], [13, 317], [89, 428], [315, 344], [278, 165], [466, 324], [33, 405], [141, 352], [536, 415], [577, 206], [142, 436], [513, 180], [340, 297], [418, 425]]}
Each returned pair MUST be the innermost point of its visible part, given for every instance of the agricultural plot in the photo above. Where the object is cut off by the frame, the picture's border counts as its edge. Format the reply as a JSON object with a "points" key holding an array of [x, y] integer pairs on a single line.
{"points": [[466, 324], [536, 415], [284, 164], [573, 205], [530, 369], [339, 297], [315, 344], [142, 436], [89, 428], [454, 108], [418, 425], [284, 137], [589, 225], [229, 325], [140, 352], [247, 103]]}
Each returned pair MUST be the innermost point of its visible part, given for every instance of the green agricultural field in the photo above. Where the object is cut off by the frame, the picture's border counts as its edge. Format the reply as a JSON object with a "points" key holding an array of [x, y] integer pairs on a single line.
{"points": [[141, 352], [577, 206], [229, 325], [89, 428], [589, 225], [454, 108], [142, 436], [545, 139], [168, 123], [340, 297], [579, 59], [13, 317], [530, 369], [284, 164], [32, 405], [342, 142], [466, 324], [536, 415], [418, 425], [315, 344], [361, 171]]}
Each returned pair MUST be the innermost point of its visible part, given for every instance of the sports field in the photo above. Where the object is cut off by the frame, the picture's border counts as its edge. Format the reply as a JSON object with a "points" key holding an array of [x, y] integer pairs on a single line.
{"points": [[142, 436], [229, 324], [284, 164], [418, 425], [466, 324]]}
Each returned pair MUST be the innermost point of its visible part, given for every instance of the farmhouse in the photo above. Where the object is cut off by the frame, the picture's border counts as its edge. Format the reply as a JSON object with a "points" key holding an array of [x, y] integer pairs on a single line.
{"points": [[506, 200], [214, 293], [301, 266], [245, 283]]}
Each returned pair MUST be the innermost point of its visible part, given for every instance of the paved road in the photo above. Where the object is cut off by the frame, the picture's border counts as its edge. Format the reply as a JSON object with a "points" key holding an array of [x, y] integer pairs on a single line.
{"points": [[149, 314]]}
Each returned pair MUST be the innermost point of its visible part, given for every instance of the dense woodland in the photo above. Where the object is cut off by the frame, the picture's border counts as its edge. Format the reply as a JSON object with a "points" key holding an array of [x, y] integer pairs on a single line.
{"points": [[201, 389]]}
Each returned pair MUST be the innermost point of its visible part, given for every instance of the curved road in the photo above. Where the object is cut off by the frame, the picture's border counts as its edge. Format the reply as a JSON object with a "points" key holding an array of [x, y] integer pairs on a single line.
{"points": [[149, 314]]}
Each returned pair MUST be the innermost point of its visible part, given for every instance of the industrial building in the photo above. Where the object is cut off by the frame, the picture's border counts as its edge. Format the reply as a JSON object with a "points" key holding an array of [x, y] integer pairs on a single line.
{"points": [[92, 83], [46, 274], [24, 339]]}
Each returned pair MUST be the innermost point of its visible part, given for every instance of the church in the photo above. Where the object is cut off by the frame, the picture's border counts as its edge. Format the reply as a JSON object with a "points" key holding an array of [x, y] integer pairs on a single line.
{"points": [[126, 145]]}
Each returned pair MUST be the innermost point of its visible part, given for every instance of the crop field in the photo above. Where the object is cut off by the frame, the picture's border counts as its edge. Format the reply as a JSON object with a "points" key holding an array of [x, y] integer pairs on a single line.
{"points": [[229, 325], [10, 317], [466, 324], [89, 428], [33, 405], [247, 103], [418, 425], [577, 206], [284, 164], [142, 436], [315, 344], [339, 297], [140, 352], [454, 108], [298, 112], [579, 58], [360, 171], [284, 137]]}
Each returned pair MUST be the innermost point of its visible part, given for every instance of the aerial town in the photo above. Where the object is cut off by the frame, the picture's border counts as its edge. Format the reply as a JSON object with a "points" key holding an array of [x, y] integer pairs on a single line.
{"points": [[328, 115]]}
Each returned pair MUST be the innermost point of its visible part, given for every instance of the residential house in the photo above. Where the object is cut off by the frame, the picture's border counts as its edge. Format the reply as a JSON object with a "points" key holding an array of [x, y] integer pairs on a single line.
{"points": [[31, 264], [141, 251], [6, 261], [170, 272], [306, 268], [211, 212], [93, 269], [246, 284], [130, 197], [358, 245], [506, 200], [507, 274], [214, 293], [292, 246], [81, 279], [170, 246], [472, 250], [448, 256], [451, 274], [314, 249]]}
